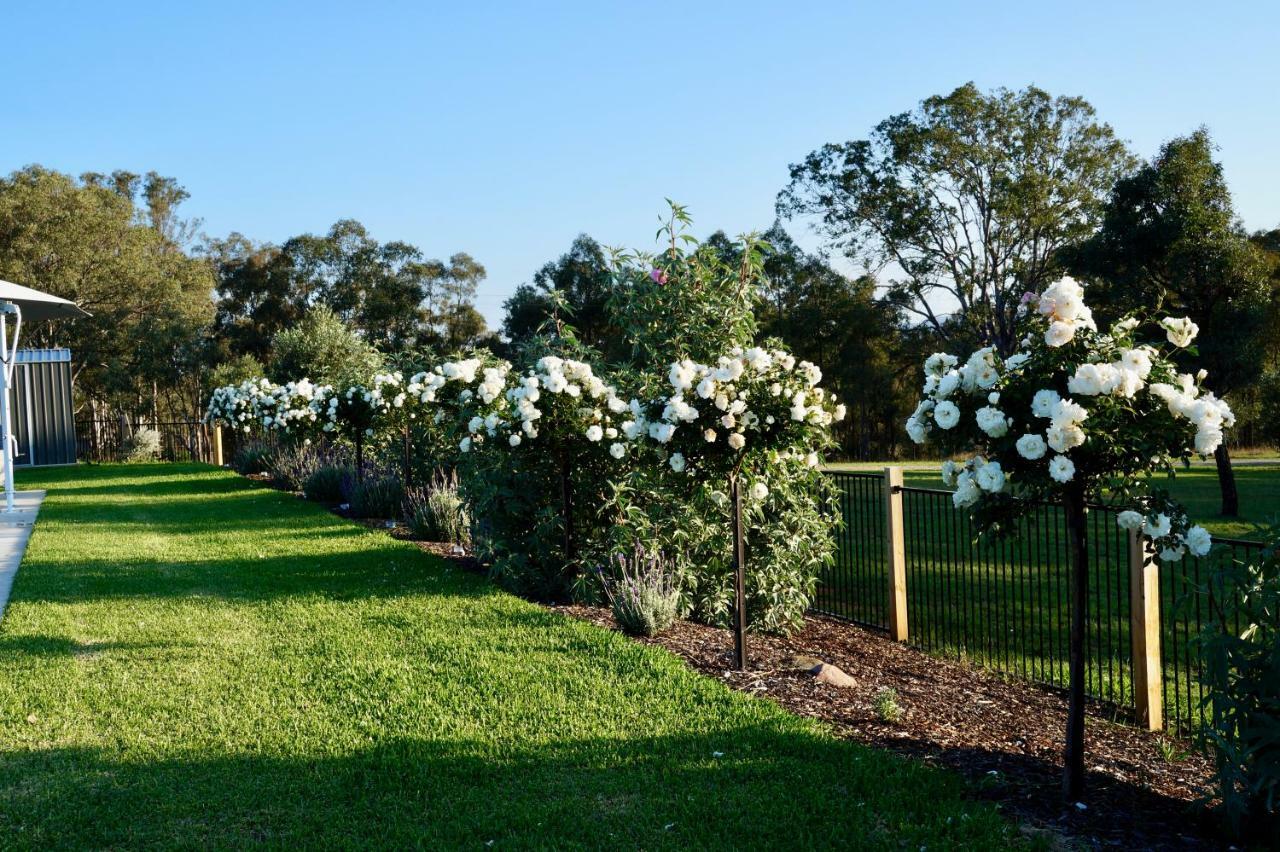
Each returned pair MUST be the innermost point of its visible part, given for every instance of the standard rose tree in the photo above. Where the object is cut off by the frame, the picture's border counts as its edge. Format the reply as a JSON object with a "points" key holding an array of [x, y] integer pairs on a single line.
{"points": [[1074, 414], [733, 420]]}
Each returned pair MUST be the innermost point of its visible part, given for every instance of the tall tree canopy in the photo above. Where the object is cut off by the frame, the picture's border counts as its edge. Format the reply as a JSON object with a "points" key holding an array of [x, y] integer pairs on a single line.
{"points": [[1170, 238], [389, 293], [86, 240], [573, 289], [965, 201]]}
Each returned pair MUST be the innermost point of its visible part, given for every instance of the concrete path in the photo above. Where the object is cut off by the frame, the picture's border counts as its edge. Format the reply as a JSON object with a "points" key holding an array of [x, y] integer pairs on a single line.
{"points": [[15, 531]]}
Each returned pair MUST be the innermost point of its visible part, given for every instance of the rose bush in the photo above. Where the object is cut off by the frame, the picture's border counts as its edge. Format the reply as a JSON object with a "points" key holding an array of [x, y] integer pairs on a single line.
{"points": [[1073, 408], [561, 469]]}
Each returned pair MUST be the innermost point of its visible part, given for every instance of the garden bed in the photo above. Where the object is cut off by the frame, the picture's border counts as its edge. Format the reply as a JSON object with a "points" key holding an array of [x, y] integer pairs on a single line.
{"points": [[1004, 735]]}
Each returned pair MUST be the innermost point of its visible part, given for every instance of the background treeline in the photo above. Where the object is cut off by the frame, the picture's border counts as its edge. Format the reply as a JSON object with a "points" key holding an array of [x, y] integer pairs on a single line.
{"points": [[950, 212]]}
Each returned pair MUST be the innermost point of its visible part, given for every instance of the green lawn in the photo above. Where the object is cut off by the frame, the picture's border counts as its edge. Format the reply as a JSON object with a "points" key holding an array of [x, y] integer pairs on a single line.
{"points": [[192, 660]]}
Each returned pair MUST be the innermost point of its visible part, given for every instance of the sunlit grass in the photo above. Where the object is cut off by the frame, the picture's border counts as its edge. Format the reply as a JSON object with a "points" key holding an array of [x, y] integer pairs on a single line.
{"points": [[192, 660]]}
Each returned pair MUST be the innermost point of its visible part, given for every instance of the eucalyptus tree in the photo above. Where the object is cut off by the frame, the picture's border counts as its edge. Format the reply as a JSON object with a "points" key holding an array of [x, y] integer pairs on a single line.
{"points": [[962, 204]]}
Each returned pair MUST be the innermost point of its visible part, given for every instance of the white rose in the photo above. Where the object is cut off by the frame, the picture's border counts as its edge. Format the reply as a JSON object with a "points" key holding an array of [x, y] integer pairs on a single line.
{"points": [[1043, 402], [617, 450], [948, 473], [1180, 331], [594, 432], [1198, 540], [1061, 469], [992, 421], [514, 440], [967, 491], [1059, 333], [736, 441], [946, 414], [1031, 447], [759, 490], [990, 477], [1157, 527], [677, 462], [1129, 520]]}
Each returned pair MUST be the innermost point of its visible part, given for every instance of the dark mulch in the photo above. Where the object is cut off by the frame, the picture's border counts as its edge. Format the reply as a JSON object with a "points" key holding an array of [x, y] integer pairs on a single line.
{"points": [[1004, 735]]}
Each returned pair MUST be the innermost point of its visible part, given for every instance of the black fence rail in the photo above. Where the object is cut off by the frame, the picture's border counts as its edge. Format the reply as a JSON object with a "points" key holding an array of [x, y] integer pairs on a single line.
{"points": [[1006, 604], [180, 440]]}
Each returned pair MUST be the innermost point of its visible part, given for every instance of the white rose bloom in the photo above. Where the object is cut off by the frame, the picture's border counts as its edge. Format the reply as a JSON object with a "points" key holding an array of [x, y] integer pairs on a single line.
{"points": [[1031, 447], [1043, 402], [759, 490], [1059, 333], [917, 431], [661, 432], [677, 462], [1173, 554], [594, 433], [948, 473], [990, 477], [938, 363], [736, 441], [1061, 469], [1065, 438], [812, 460], [946, 414], [967, 491], [514, 440], [1157, 527], [709, 436], [992, 421], [1208, 439], [1129, 520], [1093, 379], [617, 450], [1198, 541], [986, 376], [1137, 360], [1180, 331], [1068, 413], [465, 445], [948, 384]]}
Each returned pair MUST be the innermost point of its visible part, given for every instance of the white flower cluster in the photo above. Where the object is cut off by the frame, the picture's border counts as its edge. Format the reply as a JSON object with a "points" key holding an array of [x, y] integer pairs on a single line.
{"points": [[1063, 305], [260, 404], [560, 388], [749, 392], [1205, 411], [1159, 527], [1115, 377]]}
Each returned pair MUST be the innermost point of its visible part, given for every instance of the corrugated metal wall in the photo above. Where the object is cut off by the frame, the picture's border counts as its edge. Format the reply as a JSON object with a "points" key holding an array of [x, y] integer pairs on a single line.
{"points": [[40, 406]]}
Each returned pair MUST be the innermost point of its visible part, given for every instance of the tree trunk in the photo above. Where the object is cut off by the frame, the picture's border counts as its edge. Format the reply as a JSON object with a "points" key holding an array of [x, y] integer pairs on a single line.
{"points": [[739, 575], [566, 508], [1077, 542], [1227, 482]]}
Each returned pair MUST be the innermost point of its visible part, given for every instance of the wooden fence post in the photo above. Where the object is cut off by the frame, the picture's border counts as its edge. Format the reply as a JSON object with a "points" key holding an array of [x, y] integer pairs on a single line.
{"points": [[217, 446], [895, 554], [1144, 631]]}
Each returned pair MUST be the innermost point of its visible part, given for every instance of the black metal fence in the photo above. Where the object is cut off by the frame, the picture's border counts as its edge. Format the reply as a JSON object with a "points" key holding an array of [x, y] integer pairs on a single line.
{"points": [[1006, 605], [107, 440]]}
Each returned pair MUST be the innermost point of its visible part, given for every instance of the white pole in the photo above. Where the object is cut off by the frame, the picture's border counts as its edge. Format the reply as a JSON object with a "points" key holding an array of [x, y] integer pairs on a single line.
{"points": [[6, 373]]}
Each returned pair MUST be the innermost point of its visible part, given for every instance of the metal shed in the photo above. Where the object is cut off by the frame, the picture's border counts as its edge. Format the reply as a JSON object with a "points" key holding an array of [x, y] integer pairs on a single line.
{"points": [[43, 422]]}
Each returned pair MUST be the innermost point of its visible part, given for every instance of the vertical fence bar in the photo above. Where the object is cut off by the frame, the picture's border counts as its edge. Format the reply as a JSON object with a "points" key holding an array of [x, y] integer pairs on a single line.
{"points": [[895, 554]]}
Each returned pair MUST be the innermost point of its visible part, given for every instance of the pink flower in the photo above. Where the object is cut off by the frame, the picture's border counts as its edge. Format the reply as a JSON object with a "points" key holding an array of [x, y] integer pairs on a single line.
{"points": [[658, 276]]}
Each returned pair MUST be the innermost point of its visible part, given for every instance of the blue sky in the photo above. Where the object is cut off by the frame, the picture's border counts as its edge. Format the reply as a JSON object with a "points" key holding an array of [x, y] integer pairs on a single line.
{"points": [[504, 130]]}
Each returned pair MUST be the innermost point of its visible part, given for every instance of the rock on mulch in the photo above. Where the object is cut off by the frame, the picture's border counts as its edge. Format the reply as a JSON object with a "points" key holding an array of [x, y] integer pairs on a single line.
{"points": [[1003, 735]]}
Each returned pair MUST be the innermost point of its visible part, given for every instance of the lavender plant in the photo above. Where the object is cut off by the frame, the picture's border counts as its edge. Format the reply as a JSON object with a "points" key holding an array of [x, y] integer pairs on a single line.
{"points": [[643, 592]]}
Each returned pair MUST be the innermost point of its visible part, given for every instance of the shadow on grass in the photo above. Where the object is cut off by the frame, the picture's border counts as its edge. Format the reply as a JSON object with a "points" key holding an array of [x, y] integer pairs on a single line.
{"points": [[750, 786], [57, 646], [345, 575]]}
